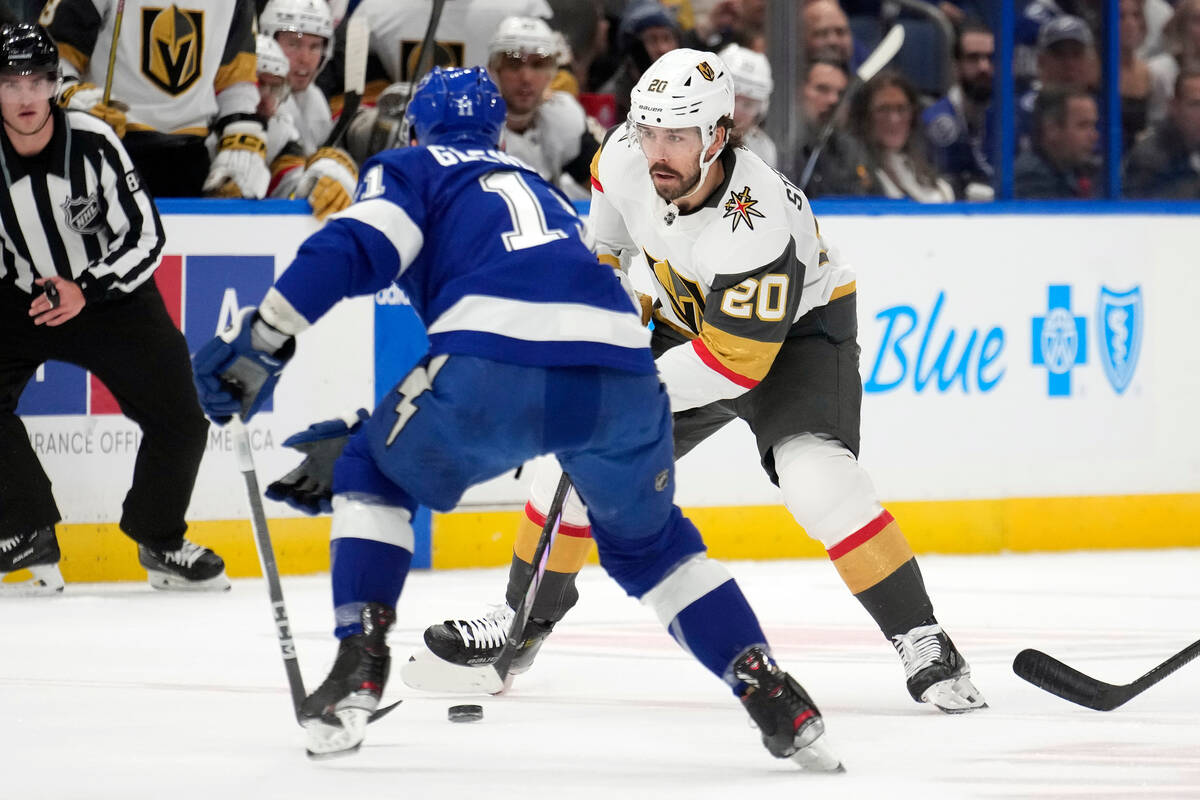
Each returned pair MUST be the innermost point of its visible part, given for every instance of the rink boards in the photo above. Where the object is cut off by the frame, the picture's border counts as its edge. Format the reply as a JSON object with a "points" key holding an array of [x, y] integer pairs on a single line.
{"points": [[1029, 384]]}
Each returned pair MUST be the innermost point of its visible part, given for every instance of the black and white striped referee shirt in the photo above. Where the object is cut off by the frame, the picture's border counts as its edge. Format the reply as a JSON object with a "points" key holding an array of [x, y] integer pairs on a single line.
{"points": [[78, 210]]}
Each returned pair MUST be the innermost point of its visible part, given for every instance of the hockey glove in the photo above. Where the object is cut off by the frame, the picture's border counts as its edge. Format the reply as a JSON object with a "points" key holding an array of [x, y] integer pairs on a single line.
{"points": [[240, 167], [309, 487], [236, 372], [86, 97], [328, 181]]}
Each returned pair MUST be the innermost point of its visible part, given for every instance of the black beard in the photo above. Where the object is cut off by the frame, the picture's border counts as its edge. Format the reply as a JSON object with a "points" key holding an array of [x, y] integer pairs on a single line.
{"points": [[978, 92]]}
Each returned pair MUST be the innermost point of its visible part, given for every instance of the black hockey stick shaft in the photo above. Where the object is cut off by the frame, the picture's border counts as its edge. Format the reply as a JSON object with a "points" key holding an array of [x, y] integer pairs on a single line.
{"points": [[425, 59], [1055, 677], [516, 632], [266, 557]]}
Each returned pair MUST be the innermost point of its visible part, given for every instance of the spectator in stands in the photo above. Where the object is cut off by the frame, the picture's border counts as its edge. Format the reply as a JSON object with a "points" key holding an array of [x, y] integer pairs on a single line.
{"points": [[827, 34], [1062, 160], [959, 126], [1135, 73], [1066, 60], [721, 26], [884, 117], [1165, 163], [840, 169], [752, 85], [1181, 42], [647, 30]]}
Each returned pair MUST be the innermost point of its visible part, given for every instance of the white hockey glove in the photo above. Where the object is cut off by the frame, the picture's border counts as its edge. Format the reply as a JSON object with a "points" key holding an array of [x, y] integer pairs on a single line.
{"points": [[328, 181], [86, 97], [240, 168]]}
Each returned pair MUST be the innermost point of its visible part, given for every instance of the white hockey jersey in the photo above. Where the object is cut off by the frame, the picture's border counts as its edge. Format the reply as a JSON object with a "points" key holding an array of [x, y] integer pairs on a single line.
{"points": [[178, 67], [553, 140], [733, 274], [309, 112], [463, 33]]}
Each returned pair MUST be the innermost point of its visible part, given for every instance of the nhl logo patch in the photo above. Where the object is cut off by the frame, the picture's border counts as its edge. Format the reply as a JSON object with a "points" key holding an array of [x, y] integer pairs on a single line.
{"points": [[83, 213]]}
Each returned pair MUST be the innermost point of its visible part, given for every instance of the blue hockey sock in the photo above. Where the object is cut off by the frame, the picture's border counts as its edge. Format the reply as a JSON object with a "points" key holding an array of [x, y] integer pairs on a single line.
{"points": [[718, 627], [364, 571]]}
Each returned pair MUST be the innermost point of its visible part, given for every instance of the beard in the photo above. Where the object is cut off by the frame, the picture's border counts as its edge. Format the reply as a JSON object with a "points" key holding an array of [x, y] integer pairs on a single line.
{"points": [[685, 183], [979, 90]]}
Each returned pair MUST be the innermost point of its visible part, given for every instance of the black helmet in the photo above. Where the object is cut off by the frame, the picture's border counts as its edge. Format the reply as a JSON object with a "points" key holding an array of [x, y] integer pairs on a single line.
{"points": [[26, 49]]}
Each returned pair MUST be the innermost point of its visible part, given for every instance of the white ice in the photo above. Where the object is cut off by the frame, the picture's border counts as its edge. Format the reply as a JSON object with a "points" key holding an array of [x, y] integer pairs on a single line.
{"points": [[120, 692]]}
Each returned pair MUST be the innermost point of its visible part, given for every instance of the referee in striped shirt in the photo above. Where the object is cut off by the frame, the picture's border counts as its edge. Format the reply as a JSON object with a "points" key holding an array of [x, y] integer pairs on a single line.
{"points": [[79, 241]]}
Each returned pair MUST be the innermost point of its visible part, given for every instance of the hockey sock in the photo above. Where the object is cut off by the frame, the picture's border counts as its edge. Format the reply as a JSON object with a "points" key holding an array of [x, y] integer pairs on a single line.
{"points": [[569, 549], [879, 568], [364, 571]]}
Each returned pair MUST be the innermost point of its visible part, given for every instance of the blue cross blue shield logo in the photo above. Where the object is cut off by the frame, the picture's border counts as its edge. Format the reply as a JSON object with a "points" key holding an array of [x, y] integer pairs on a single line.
{"points": [[1119, 318], [1059, 341]]}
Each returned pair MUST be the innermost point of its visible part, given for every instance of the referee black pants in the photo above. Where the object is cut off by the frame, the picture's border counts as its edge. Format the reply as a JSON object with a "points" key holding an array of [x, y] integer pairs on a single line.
{"points": [[132, 345]]}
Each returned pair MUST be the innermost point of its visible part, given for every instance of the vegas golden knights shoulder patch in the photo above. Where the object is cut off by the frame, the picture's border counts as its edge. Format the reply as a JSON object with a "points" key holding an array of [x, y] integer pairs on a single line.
{"points": [[172, 47], [741, 206]]}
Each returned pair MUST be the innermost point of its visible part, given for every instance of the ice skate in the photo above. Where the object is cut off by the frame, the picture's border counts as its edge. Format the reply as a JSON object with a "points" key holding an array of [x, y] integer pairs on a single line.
{"points": [[337, 713], [936, 672], [36, 552], [190, 568], [789, 721], [455, 647]]}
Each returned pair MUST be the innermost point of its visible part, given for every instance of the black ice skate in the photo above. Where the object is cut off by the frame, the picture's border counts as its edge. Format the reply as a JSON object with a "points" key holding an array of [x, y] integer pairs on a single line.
{"points": [[37, 552], [788, 719], [190, 568], [936, 672], [337, 713], [471, 643]]}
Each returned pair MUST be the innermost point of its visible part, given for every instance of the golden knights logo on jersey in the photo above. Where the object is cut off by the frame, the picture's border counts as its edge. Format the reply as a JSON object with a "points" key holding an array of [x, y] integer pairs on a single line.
{"points": [[445, 54], [687, 298], [741, 207], [172, 47]]}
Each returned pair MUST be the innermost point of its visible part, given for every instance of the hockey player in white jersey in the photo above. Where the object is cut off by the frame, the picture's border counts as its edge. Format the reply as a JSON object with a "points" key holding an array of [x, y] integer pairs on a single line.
{"points": [[546, 129], [178, 73], [304, 31], [755, 319], [752, 85]]}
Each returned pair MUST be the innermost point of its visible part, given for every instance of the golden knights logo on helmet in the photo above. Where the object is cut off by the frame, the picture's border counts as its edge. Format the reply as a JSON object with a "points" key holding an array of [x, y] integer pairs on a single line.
{"points": [[706, 71], [172, 47]]}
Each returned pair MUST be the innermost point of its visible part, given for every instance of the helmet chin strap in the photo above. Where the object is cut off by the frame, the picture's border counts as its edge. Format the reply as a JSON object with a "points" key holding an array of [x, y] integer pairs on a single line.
{"points": [[704, 167]]}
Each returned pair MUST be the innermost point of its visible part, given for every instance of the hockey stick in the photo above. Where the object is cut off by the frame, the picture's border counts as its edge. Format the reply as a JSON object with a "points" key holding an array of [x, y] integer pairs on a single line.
{"points": [[883, 53], [431, 674], [1046, 672], [355, 81], [112, 53], [266, 557]]}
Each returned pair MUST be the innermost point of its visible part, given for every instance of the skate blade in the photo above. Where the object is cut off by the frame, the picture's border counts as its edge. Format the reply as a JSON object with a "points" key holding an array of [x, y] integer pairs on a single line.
{"points": [[326, 740], [817, 757], [956, 696], [166, 582], [45, 580], [427, 673]]}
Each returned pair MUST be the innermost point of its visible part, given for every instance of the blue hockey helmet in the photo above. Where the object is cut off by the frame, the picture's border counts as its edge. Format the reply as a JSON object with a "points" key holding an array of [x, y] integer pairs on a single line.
{"points": [[459, 105]]}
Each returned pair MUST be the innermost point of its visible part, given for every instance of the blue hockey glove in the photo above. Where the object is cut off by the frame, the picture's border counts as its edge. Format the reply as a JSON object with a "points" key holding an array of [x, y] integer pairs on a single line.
{"points": [[309, 487], [236, 372]]}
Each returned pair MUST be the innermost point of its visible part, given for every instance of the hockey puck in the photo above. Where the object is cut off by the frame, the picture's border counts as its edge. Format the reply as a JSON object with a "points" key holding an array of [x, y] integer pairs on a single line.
{"points": [[467, 713]]}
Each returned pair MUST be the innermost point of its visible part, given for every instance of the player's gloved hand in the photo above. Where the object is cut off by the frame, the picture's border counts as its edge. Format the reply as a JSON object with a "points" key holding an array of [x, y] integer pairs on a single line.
{"points": [[87, 97], [328, 181], [236, 372], [642, 303], [240, 166], [309, 487]]}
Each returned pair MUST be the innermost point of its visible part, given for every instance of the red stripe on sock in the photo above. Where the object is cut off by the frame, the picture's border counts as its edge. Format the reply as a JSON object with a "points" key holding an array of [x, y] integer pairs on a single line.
{"points": [[564, 528], [861, 536]]}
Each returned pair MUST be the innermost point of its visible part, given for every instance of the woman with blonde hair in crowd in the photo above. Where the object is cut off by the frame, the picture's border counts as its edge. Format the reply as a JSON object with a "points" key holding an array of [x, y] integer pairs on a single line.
{"points": [[885, 117]]}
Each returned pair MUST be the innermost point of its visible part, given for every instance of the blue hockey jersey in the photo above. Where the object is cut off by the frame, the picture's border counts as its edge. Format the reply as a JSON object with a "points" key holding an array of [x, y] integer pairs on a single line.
{"points": [[491, 257]]}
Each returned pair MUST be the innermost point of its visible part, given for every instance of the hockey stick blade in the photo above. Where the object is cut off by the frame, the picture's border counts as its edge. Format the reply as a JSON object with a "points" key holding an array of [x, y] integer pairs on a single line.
{"points": [[882, 55], [358, 41], [1055, 677]]}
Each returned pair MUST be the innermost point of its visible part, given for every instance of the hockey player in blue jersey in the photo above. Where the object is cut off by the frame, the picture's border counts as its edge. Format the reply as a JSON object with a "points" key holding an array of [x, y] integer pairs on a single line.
{"points": [[535, 348]]}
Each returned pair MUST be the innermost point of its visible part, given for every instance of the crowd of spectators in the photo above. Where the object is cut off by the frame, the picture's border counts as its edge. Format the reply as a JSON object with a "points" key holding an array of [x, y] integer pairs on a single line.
{"points": [[910, 132]]}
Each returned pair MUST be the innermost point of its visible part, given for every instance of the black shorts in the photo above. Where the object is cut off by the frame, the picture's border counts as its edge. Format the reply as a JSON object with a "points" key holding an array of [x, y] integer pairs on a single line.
{"points": [[813, 387]]}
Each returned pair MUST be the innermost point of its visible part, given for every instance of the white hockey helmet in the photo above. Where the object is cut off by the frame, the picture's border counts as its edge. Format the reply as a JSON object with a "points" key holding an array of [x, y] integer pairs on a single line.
{"points": [[299, 16], [684, 89], [751, 73], [523, 36], [271, 59]]}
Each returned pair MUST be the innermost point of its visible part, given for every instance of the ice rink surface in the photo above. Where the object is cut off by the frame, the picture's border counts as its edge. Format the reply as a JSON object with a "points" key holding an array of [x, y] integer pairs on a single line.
{"points": [[117, 691]]}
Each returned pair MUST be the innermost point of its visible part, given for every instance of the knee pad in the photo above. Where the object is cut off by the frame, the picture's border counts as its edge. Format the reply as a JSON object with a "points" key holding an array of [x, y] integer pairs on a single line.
{"points": [[357, 516], [824, 486], [690, 580], [541, 494]]}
